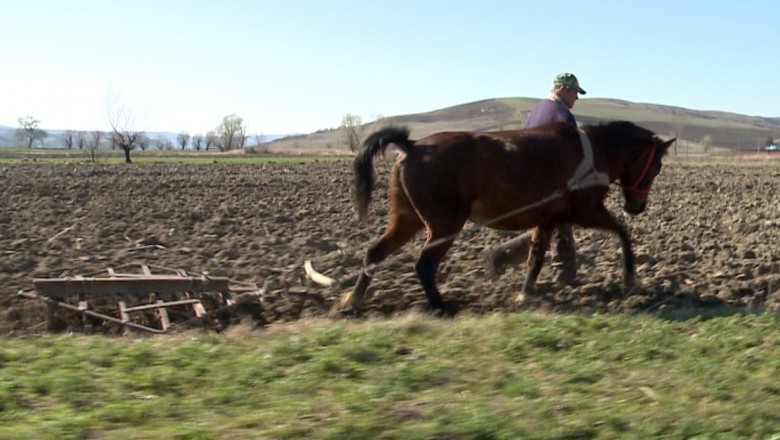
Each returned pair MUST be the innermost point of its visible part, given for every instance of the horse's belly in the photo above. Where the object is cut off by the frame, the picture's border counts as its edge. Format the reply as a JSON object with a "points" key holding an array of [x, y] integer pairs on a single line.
{"points": [[491, 218], [516, 218]]}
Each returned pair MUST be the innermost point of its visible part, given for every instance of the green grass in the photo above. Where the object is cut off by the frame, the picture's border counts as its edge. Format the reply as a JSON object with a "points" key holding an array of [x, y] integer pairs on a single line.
{"points": [[498, 377]]}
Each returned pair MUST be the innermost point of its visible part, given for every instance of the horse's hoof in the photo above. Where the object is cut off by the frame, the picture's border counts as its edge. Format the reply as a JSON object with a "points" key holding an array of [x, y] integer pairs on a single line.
{"points": [[446, 309], [344, 309], [569, 281], [449, 309], [339, 313], [525, 295], [631, 285]]}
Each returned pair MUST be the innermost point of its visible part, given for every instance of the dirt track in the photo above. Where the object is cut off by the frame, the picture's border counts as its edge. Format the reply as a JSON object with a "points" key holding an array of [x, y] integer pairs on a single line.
{"points": [[710, 237]]}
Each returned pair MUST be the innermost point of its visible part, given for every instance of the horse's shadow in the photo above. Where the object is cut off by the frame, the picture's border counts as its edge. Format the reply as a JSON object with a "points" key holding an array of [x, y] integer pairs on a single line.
{"points": [[613, 298]]}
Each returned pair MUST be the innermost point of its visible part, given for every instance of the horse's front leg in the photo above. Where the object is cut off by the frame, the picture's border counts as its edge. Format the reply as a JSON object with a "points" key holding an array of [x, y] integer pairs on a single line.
{"points": [[540, 242], [600, 218]]}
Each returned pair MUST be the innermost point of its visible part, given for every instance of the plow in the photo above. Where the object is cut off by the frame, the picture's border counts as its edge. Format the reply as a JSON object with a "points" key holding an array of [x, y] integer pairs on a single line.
{"points": [[149, 298]]}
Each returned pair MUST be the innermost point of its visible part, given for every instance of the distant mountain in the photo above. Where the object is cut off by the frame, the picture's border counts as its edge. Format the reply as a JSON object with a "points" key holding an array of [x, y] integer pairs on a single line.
{"points": [[273, 137], [7, 136], [727, 130]]}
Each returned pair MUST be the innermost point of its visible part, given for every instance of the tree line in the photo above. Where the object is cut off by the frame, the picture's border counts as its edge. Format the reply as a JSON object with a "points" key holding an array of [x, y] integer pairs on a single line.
{"points": [[230, 134]]}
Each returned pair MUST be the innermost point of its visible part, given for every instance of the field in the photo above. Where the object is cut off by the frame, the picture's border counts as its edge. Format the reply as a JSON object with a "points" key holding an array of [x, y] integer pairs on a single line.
{"points": [[708, 240], [707, 251]]}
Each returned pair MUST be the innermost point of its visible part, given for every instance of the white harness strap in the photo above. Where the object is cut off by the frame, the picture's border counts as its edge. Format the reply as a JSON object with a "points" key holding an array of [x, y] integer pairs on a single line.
{"points": [[586, 174]]}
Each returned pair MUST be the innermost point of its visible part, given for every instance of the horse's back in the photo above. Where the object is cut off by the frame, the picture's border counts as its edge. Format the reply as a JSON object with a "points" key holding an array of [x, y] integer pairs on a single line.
{"points": [[488, 174]]}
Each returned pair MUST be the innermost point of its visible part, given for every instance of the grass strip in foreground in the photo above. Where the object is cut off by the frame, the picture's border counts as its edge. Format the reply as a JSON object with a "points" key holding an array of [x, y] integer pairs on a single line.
{"points": [[497, 377]]}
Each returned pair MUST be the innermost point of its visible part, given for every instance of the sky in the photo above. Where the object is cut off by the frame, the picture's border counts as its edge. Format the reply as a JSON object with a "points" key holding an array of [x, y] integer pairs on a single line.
{"points": [[298, 66]]}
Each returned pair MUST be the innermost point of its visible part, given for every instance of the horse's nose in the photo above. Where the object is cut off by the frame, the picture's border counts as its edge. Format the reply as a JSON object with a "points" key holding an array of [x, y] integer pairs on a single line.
{"points": [[636, 207]]}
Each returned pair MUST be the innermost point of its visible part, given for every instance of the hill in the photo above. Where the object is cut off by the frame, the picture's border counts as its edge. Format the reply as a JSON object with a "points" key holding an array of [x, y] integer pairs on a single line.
{"points": [[728, 130], [7, 136]]}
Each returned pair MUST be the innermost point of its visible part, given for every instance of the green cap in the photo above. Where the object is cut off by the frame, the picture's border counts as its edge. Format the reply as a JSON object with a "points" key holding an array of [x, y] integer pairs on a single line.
{"points": [[568, 80]]}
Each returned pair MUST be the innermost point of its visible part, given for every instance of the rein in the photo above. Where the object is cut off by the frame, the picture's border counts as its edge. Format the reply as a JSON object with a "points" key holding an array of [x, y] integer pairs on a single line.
{"points": [[635, 187]]}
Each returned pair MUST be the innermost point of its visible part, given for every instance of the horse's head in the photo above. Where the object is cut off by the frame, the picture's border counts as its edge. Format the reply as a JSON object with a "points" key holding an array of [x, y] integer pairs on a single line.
{"points": [[638, 176]]}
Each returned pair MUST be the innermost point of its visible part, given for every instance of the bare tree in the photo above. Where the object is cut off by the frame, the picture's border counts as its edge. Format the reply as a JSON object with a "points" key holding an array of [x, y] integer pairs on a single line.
{"points": [[231, 133], [183, 139], [380, 120], [197, 142], [96, 140], [81, 139], [706, 143], [68, 139], [259, 147], [143, 141], [125, 131], [28, 131], [211, 139], [163, 143], [93, 144], [243, 135], [351, 128]]}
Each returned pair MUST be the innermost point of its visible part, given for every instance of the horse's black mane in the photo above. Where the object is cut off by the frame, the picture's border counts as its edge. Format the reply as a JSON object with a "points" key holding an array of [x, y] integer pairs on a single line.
{"points": [[621, 131]]}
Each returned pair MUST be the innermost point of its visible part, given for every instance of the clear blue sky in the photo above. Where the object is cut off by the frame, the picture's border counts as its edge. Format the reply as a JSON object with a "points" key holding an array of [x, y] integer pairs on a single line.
{"points": [[300, 65]]}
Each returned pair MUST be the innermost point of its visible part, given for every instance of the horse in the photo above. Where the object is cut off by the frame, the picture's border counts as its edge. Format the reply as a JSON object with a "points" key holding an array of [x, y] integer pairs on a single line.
{"points": [[508, 180]]}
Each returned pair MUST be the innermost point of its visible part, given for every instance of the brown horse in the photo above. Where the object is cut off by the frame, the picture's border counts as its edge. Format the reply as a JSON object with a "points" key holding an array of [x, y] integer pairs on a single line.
{"points": [[507, 180]]}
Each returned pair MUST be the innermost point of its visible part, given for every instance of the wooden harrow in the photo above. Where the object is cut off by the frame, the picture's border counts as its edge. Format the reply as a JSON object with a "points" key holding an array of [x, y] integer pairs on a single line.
{"points": [[145, 290]]}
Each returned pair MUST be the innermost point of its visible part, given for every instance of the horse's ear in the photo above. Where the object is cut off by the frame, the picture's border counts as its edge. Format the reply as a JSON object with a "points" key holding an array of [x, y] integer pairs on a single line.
{"points": [[669, 143]]}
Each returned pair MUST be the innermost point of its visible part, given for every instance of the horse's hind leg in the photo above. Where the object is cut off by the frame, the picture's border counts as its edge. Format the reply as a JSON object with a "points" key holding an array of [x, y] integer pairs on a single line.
{"points": [[401, 229], [540, 241], [439, 242]]}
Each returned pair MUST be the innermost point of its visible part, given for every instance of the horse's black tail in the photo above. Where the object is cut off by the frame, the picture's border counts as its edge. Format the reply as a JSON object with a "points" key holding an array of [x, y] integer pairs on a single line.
{"points": [[364, 162]]}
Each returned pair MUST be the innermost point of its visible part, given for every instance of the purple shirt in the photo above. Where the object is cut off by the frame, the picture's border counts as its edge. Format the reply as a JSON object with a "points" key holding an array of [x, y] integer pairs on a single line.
{"points": [[549, 110]]}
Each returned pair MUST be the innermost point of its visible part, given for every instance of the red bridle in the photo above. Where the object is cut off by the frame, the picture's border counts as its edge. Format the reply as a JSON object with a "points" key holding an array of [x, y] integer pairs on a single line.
{"points": [[635, 187]]}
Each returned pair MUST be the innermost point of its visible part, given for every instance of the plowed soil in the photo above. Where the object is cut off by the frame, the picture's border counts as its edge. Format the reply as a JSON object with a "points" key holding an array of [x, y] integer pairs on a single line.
{"points": [[709, 240]]}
